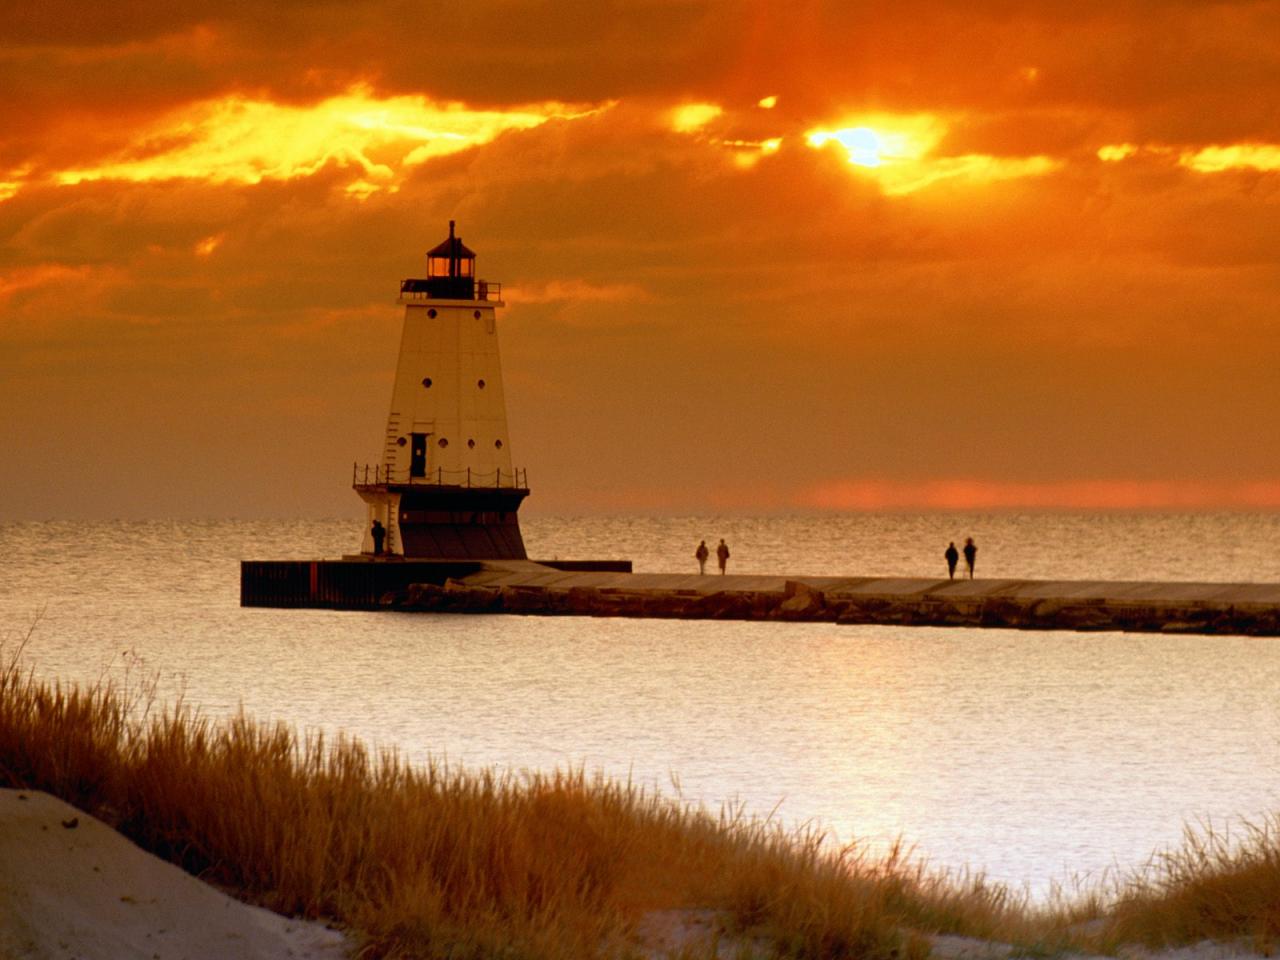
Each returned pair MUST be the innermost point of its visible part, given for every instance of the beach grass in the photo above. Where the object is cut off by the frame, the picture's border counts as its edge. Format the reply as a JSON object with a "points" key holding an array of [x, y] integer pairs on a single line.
{"points": [[426, 860], [1215, 886]]}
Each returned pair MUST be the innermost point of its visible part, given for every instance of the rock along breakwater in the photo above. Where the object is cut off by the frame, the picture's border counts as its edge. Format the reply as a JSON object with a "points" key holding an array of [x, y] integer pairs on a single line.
{"points": [[531, 589]]}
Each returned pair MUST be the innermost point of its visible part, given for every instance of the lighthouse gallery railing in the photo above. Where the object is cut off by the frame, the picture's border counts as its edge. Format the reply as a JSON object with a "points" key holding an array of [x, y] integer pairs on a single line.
{"points": [[376, 475], [415, 289]]}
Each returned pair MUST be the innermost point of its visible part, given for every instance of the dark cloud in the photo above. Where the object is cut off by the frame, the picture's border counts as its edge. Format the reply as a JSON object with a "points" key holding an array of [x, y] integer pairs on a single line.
{"points": [[71, 81]]}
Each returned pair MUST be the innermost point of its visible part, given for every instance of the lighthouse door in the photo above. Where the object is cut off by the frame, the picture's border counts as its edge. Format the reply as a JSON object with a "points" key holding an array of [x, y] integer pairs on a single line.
{"points": [[418, 455]]}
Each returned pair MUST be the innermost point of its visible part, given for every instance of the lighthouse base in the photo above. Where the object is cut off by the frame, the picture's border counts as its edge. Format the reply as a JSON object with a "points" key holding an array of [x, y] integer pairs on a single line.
{"points": [[444, 522]]}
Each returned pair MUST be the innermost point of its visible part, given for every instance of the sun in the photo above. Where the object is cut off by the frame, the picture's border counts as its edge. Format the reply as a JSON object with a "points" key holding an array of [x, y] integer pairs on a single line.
{"points": [[898, 152], [882, 140], [863, 144]]}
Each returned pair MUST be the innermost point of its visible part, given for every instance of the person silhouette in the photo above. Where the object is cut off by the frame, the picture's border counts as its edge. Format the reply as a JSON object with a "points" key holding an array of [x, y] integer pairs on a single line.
{"points": [[953, 557], [722, 554], [379, 534], [701, 555], [970, 554]]}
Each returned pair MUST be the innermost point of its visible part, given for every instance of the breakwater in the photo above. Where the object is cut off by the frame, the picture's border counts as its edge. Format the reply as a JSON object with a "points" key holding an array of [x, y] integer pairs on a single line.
{"points": [[608, 590]]}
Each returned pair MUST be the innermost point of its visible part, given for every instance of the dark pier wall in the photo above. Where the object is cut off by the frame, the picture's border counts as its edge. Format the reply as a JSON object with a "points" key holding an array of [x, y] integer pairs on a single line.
{"points": [[367, 583], [337, 584]]}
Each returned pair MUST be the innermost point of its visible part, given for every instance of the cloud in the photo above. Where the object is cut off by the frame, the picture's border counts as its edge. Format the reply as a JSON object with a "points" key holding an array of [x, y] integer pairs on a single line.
{"points": [[689, 117], [1058, 265], [1215, 158], [899, 154], [1243, 156], [874, 495], [580, 291], [237, 140]]}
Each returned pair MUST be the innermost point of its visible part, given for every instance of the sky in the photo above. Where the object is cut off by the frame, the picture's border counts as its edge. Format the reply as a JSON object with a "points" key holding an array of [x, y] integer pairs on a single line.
{"points": [[757, 256]]}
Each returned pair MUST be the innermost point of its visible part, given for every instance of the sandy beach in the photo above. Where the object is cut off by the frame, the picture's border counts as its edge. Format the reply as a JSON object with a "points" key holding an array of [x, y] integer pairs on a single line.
{"points": [[70, 886]]}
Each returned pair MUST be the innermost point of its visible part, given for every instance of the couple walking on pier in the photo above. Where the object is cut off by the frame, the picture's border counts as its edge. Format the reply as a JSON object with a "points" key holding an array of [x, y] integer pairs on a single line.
{"points": [[702, 553], [953, 557]]}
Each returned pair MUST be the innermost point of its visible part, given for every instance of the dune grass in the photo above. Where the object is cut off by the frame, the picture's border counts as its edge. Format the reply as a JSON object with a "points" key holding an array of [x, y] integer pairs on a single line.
{"points": [[1213, 887], [428, 861]]}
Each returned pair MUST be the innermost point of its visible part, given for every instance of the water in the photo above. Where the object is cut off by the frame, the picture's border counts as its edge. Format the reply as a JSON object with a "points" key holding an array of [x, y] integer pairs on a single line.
{"points": [[1033, 756]]}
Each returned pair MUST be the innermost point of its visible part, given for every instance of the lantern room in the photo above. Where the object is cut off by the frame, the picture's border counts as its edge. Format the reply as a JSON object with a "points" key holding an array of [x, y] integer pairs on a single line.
{"points": [[451, 270]]}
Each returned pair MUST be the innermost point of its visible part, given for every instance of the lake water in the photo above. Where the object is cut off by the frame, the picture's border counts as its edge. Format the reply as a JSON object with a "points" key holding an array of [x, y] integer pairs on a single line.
{"points": [[1036, 757]]}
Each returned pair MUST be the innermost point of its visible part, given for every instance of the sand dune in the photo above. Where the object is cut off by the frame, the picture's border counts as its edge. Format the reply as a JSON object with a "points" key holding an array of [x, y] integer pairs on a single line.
{"points": [[70, 886]]}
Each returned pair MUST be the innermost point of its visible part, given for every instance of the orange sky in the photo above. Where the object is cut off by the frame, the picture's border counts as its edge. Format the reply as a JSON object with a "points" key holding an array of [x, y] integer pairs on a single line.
{"points": [[757, 256]]}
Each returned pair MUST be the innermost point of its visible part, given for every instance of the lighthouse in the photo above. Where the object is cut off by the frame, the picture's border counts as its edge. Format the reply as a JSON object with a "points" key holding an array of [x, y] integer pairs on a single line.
{"points": [[446, 487]]}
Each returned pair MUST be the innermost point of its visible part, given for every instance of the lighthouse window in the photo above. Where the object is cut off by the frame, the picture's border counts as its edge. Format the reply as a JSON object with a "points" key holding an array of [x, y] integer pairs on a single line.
{"points": [[471, 444], [426, 381], [432, 313], [498, 444], [443, 442], [480, 384], [400, 442], [477, 314]]}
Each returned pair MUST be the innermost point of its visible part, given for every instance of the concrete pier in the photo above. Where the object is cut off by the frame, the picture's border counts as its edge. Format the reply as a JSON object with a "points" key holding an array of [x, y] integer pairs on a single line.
{"points": [[530, 588]]}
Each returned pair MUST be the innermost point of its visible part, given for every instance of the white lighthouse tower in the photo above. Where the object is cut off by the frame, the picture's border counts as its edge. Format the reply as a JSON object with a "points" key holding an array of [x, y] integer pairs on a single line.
{"points": [[446, 488]]}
